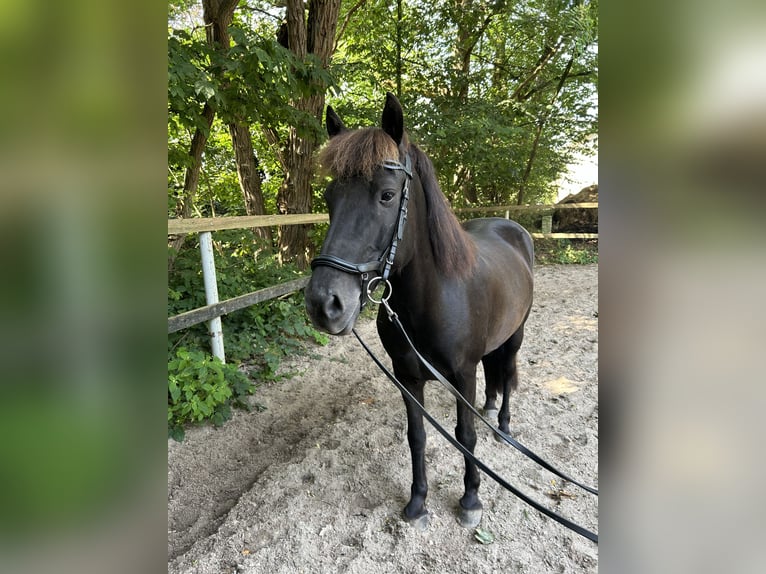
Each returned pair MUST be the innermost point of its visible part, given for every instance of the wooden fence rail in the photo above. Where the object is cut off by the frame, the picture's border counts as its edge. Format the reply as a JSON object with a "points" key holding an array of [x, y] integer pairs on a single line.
{"points": [[199, 224], [547, 207], [200, 314], [205, 225], [564, 235]]}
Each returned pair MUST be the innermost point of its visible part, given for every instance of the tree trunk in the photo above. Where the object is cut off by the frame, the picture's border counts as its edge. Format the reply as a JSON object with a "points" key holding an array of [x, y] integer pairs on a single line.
{"points": [[472, 21], [539, 131], [218, 15], [317, 36], [191, 179], [530, 162], [462, 50], [249, 175], [295, 197]]}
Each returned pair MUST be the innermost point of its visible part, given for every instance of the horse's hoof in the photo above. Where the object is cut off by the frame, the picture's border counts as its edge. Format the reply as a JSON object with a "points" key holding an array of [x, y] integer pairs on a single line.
{"points": [[499, 438], [469, 518], [491, 414], [419, 522]]}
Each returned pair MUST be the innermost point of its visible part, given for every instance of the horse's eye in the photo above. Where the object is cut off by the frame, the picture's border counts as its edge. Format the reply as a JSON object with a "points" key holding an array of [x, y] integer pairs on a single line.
{"points": [[387, 196]]}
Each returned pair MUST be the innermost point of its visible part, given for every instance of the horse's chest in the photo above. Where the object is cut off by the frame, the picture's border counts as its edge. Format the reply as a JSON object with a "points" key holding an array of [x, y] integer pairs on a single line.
{"points": [[444, 343]]}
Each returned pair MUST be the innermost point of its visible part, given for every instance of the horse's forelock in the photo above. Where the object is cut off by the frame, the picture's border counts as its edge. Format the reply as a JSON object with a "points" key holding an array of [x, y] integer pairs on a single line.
{"points": [[357, 153]]}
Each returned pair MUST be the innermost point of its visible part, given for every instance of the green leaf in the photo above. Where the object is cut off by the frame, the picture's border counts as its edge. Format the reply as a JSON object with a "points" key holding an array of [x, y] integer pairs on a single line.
{"points": [[204, 88], [176, 432], [483, 536], [175, 392]]}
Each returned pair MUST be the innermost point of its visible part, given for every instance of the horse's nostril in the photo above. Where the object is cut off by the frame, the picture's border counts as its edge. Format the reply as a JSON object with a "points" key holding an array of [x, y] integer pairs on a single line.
{"points": [[333, 307]]}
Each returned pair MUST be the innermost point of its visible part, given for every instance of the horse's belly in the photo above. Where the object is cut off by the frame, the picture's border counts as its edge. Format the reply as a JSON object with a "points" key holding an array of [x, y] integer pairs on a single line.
{"points": [[501, 335], [506, 313]]}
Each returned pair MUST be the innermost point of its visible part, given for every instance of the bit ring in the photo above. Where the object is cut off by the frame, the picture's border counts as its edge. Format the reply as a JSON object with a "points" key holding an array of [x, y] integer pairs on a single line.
{"points": [[372, 284]]}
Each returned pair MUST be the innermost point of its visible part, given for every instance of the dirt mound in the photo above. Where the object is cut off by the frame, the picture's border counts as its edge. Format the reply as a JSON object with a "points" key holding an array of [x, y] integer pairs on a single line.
{"points": [[316, 482], [577, 220]]}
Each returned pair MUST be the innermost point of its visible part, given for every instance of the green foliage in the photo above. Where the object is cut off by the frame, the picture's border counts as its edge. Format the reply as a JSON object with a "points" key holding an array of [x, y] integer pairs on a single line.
{"points": [[570, 254], [265, 78], [260, 336], [477, 79], [253, 82], [190, 83], [565, 251], [476, 83], [201, 387]]}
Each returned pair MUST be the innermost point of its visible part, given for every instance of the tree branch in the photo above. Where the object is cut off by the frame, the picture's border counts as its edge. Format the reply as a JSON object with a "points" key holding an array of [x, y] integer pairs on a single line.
{"points": [[549, 52], [346, 21], [561, 79], [539, 131], [246, 8]]}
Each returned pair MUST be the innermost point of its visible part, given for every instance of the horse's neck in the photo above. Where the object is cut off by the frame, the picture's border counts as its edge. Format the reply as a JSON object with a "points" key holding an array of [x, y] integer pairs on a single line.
{"points": [[417, 281]]}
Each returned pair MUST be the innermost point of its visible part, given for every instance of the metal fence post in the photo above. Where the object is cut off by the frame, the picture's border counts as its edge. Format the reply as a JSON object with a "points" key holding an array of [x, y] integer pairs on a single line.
{"points": [[211, 293]]}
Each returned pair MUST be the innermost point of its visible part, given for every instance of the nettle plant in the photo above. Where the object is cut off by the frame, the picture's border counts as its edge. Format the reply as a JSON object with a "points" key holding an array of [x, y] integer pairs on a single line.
{"points": [[201, 387]]}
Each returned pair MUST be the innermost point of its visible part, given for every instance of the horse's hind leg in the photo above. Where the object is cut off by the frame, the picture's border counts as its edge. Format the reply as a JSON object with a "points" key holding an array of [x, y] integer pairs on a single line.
{"points": [[415, 512], [493, 382], [510, 376], [501, 375]]}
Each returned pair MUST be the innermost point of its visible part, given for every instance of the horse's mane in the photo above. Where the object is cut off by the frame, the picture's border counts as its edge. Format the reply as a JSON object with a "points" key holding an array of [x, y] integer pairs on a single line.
{"points": [[454, 252], [357, 153]]}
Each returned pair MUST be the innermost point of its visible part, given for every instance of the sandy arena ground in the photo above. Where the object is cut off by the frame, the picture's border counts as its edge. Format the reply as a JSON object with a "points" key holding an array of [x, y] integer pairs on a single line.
{"points": [[316, 482]]}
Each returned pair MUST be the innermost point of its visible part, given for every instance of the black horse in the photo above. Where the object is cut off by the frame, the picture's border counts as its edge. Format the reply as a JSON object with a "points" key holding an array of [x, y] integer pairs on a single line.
{"points": [[463, 293]]}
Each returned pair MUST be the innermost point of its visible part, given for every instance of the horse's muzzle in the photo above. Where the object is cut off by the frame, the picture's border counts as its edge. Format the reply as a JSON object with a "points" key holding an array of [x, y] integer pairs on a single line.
{"points": [[333, 300]]}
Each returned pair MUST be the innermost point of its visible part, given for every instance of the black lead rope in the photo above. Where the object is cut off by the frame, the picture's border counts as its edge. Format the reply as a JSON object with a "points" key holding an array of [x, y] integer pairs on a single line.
{"points": [[469, 455], [506, 437]]}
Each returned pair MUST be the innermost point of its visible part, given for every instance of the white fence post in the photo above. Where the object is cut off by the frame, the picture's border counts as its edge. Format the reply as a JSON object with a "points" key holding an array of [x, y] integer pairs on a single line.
{"points": [[547, 223], [211, 292]]}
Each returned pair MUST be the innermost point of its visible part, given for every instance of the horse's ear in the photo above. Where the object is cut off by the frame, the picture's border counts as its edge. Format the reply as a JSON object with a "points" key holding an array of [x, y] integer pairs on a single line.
{"points": [[393, 118], [334, 123]]}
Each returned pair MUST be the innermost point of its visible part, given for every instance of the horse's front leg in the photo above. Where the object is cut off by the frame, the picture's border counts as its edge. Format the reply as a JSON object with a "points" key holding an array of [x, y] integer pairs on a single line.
{"points": [[470, 511], [415, 512]]}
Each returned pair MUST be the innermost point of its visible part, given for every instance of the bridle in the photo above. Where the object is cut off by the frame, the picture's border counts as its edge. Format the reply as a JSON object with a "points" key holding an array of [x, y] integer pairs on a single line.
{"points": [[383, 264]]}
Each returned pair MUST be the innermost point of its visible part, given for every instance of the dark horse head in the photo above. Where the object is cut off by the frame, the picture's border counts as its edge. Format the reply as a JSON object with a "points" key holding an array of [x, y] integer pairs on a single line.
{"points": [[462, 292], [374, 172]]}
